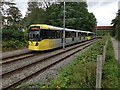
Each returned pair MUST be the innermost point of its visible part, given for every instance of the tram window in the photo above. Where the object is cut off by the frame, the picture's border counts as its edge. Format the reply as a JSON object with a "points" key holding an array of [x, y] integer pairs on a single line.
{"points": [[79, 34], [70, 34], [73, 34], [50, 34], [67, 34], [44, 34], [57, 34], [83, 34], [90, 34], [61, 34], [34, 35]]}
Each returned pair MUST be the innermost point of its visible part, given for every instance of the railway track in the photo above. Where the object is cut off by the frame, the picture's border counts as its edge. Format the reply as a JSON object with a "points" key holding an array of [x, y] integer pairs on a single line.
{"points": [[15, 53], [11, 59], [37, 64]]}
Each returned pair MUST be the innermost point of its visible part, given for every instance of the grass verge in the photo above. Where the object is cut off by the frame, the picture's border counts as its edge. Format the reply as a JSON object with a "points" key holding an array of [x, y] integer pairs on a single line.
{"points": [[110, 70], [81, 73]]}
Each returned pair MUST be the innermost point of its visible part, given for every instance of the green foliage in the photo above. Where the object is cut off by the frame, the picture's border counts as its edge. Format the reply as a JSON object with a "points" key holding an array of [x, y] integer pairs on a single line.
{"points": [[14, 15], [11, 33], [13, 39], [77, 16], [81, 73], [34, 15], [102, 33], [116, 24], [11, 16], [32, 85], [110, 69]]}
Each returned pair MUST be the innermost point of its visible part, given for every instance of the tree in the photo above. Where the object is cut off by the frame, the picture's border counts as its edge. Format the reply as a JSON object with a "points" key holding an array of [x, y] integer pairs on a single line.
{"points": [[3, 7], [77, 16], [116, 24], [11, 15], [35, 14]]}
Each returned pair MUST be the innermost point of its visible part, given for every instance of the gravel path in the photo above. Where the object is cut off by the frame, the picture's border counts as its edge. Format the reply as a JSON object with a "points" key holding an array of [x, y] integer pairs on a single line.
{"points": [[116, 46]]}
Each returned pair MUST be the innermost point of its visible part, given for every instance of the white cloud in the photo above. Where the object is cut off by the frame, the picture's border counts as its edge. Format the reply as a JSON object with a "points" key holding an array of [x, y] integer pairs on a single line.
{"points": [[104, 11], [22, 5]]}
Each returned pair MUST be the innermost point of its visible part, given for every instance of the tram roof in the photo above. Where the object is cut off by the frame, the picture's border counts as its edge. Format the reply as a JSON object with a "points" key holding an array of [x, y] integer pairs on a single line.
{"points": [[45, 26], [66, 29]]}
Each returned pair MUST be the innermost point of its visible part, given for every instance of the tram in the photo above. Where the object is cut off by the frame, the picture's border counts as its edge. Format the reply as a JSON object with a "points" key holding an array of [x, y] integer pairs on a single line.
{"points": [[45, 37]]}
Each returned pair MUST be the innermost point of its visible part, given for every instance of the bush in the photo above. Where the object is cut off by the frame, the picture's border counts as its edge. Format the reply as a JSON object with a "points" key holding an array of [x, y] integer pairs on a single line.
{"points": [[13, 38], [9, 34]]}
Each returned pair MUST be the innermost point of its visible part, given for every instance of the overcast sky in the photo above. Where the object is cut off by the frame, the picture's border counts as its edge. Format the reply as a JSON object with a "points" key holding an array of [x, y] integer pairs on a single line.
{"points": [[104, 10]]}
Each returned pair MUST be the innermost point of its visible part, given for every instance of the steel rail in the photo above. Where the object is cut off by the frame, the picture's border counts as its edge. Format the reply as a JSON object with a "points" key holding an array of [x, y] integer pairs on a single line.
{"points": [[14, 59], [42, 59], [17, 70], [45, 68], [7, 55]]}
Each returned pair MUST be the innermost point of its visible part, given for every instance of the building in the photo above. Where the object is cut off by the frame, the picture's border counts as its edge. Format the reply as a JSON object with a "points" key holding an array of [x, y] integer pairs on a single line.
{"points": [[104, 28]]}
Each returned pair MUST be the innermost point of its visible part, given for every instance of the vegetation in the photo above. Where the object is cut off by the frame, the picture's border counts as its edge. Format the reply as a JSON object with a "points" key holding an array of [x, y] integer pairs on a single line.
{"points": [[102, 33], [116, 24], [10, 16], [81, 73], [77, 17], [35, 14], [110, 76], [12, 35], [13, 39]]}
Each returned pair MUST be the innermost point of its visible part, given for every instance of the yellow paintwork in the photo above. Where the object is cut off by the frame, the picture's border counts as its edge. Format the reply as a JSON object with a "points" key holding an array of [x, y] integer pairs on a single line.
{"points": [[45, 44], [87, 37], [42, 26], [48, 44]]}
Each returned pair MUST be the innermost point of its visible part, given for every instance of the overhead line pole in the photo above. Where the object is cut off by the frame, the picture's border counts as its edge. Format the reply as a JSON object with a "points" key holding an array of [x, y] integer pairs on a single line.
{"points": [[64, 27]]}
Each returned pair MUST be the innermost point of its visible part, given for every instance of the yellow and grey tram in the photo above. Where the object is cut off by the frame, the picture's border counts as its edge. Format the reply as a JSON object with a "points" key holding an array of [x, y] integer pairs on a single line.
{"points": [[45, 37]]}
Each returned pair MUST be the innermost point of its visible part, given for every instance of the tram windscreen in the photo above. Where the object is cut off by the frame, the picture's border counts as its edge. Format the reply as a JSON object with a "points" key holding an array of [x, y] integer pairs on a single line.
{"points": [[34, 35]]}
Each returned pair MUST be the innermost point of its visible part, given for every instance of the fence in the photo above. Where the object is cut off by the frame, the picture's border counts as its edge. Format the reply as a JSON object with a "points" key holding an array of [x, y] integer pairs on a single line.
{"points": [[100, 63]]}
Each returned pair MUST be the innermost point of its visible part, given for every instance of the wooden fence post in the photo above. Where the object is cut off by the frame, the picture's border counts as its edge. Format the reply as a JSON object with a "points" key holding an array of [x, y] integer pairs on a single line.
{"points": [[99, 71], [100, 62], [104, 51]]}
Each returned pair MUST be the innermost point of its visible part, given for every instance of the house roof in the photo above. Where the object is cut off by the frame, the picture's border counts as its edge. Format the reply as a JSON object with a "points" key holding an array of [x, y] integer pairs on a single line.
{"points": [[104, 27]]}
